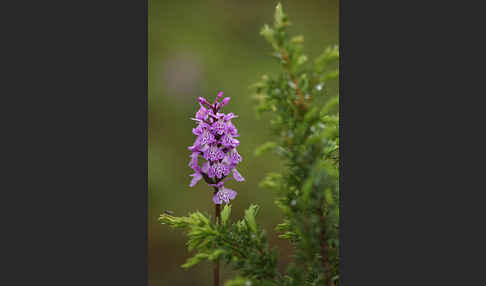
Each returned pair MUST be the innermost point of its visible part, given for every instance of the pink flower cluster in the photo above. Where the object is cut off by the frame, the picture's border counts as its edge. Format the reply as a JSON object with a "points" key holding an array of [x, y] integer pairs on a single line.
{"points": [[216, 144]]}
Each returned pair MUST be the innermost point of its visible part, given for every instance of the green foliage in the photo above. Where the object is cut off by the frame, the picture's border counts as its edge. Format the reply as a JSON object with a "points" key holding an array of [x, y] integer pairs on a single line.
{"points": [[265, 148], [303, 101], [225, 214], [240, 244], [238, 281]]}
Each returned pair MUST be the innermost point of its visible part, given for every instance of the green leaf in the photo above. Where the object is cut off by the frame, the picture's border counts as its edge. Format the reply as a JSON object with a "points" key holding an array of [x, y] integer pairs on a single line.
{"points": [[195, 260], [268, 33], [311, 115], [225, 213], [271, 181], [302, 59], [238, 281], [250, 214], [328, 196], [280, 17], [298, 39], [265, 148], [331, 105], [216, 254]]}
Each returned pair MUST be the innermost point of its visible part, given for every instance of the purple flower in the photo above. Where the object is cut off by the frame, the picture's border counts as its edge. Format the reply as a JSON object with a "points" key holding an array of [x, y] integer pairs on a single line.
{"points": [[206, 137], [234, 157], [216, 144], [214, 153], [229, 116], [205, 168], [199, 130], [202, 114], [232, 130], [203, 101], [224, 195], [225, 101], [195, 178], [218, 170], [194, 161], [238, 176], [211, 172], [228, 141], [219, 127], [193, 148]]}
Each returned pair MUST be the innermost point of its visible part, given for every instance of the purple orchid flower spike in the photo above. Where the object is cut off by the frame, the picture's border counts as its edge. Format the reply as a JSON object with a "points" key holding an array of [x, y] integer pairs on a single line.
{"points": [[216, 145]]}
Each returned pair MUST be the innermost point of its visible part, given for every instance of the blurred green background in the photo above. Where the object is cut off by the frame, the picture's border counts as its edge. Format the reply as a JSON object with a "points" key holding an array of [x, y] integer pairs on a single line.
{"points": [[198, 48]]}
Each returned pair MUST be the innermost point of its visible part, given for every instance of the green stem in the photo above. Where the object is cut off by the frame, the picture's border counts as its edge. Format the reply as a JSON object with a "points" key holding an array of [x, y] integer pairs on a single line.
{"points": [[217, 209]]}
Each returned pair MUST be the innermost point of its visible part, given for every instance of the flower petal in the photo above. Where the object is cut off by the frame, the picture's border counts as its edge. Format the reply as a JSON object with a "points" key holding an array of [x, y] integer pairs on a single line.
{"points": [[225, 101], [195, 178], [238, 177], [194, 161], [230, 116], [216, 199], [205, 167], [231, 193]]}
